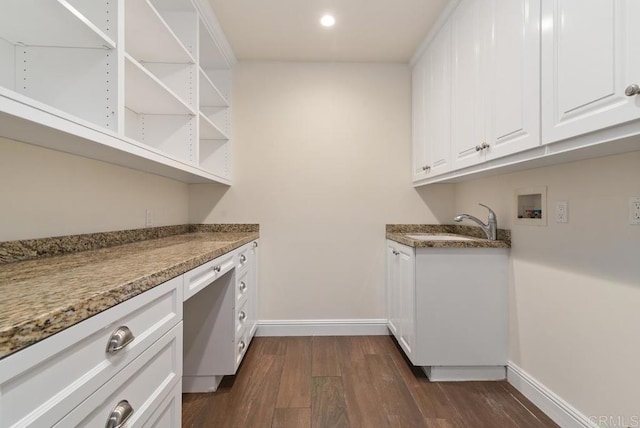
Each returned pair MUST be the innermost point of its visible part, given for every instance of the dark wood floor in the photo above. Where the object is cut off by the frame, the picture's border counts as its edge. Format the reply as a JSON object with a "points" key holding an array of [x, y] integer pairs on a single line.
{"points": [[361, 381]]}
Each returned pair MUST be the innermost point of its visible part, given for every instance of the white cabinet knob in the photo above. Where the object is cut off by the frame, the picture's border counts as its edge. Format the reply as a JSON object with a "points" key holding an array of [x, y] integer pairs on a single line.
{"points": [[632, 90]]}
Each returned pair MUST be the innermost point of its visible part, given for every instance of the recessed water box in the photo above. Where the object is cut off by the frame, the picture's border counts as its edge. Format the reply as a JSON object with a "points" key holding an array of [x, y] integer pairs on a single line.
{"points": [[531, 206]]}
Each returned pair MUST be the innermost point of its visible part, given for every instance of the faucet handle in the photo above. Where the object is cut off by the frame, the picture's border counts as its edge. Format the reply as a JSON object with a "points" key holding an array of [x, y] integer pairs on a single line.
{"points": [[492, 214]]}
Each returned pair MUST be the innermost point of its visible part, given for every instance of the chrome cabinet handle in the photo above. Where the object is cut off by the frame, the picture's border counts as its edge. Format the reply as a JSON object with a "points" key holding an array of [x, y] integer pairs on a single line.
{"points": [[426, 168], [632, 90], [255, 244], [395, 253], [242, 258], [120, 338], [217, 268], [119, 415], [242, 316], [478, 148], [243, 286], [482, 146], [241, 346]]}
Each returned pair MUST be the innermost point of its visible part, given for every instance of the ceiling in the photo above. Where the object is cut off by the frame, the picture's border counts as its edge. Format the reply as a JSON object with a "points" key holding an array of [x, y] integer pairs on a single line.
{"points": [[289, 30]]}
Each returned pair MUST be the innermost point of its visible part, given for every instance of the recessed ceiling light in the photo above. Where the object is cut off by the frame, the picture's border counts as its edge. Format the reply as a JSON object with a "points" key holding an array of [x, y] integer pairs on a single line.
{"points": [[328, 21]]}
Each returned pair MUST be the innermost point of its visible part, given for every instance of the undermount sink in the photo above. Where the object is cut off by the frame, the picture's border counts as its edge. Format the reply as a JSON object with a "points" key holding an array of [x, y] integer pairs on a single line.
{"points": [[432, 237]]}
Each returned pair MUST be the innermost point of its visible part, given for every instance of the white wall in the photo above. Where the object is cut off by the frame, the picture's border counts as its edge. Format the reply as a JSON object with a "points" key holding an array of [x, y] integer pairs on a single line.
{"points": [[48, 193], [321, 155], [575, 287]]}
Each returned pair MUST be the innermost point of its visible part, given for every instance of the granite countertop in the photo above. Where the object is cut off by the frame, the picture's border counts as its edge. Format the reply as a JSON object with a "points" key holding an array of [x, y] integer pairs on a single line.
{"points": [[398, 233], [44, 294]]}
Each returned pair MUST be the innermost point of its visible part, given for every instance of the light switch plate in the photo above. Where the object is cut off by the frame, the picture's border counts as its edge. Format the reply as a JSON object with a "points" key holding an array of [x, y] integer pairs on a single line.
{"points": [[562, 212], [634, 210]]}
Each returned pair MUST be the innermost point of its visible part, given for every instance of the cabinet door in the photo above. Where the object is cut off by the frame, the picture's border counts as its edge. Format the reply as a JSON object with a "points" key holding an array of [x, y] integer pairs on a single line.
{"points": [[393, 290], [437, 137], [468, 98], [253, 296], [406, 278], [589, 57], [419, 148], [513, 51]]}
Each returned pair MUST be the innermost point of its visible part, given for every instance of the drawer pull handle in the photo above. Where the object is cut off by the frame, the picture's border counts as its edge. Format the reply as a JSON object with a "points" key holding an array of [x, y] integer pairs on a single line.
{"points": [[119, 339], [242, 316], [217, 269], [119, 415], [242, 258], [243, 286], [242, 346], [255, 244]]}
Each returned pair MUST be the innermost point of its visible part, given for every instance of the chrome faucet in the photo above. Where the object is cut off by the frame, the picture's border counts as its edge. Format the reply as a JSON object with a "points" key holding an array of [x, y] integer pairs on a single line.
{"points": [[490, 229]]}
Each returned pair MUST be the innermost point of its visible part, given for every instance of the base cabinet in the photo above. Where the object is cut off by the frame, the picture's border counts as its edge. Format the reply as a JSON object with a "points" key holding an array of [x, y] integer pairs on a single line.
{"points": [[134, 360], [71, 379], [401, 268], [448, 309], [139, 389], [220, 321]]}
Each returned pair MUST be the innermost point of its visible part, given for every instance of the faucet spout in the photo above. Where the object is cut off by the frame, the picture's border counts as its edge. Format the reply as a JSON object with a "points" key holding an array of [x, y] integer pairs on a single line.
{"points": [[490, 229]]}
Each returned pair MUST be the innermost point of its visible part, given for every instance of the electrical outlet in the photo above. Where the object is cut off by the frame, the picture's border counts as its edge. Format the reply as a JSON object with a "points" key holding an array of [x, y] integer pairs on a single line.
{"points": [[562, 212], [634, 210], [148, 218]]}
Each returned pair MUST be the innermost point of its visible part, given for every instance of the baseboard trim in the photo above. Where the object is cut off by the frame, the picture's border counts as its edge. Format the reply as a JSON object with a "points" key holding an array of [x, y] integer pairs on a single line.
{"points": [[555, 407], [353, 327]]}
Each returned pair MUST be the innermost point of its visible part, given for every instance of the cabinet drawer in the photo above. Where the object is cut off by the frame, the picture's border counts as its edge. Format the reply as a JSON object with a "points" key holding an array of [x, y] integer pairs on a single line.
{"points": [[169, 413], [241, 347], [243, 286], [143, 385], [242, 318], [197, 279], [242, 258], [44, 382]]}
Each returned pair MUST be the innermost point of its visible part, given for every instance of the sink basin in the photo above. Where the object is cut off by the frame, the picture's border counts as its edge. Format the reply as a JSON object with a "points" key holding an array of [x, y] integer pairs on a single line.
{"points": [[433, 237]]}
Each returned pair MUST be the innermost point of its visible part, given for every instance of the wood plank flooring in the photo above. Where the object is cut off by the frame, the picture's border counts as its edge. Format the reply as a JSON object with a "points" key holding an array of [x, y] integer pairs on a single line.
{"points": [[350, 382]]}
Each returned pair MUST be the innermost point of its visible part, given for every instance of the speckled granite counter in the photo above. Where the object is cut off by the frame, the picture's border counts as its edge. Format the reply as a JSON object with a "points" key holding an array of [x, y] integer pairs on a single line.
{"points": [[47, 294], [398, 233]]}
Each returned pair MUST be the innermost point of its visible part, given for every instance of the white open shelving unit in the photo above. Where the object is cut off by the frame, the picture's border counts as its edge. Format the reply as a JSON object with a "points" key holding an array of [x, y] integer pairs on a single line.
{"points": [[144, 84]]}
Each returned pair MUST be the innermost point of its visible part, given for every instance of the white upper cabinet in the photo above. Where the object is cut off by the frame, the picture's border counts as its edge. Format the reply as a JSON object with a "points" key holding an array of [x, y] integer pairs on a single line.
{"points": [[438, 102], [468, 97], [496, 74], [513, 74], [590, 57], [431, 80], [418, 117]]}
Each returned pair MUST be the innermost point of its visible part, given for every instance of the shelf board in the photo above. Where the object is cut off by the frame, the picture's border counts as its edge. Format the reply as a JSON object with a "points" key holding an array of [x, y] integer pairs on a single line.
{"points": [[211, 55], [145, 93], [22, 119], [53, 23], [210, 96], [148, 38], [209, 131]]}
